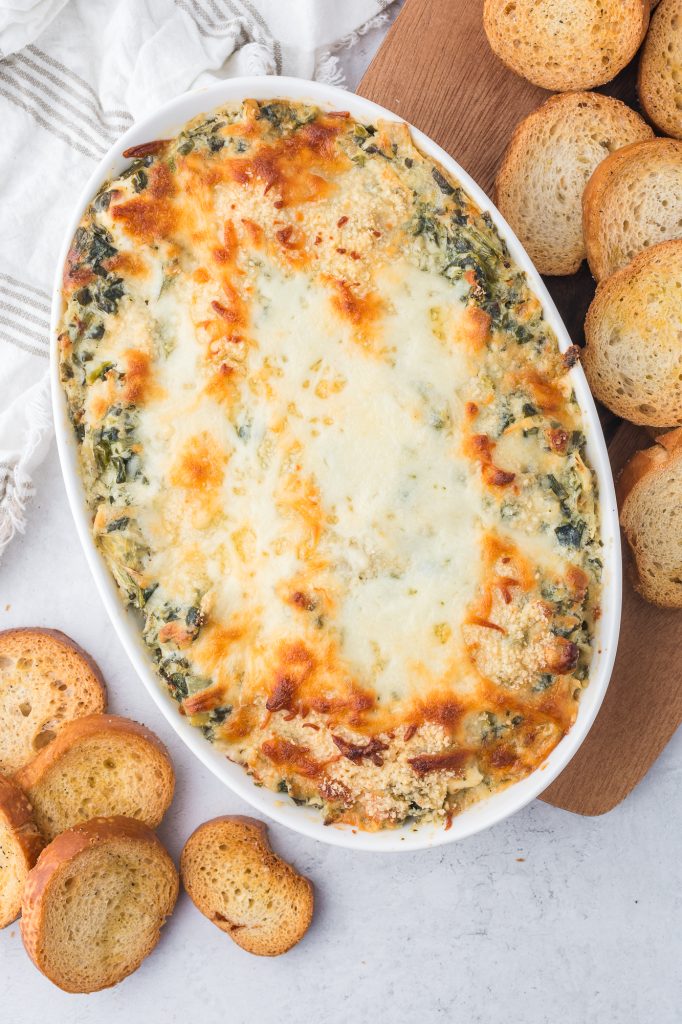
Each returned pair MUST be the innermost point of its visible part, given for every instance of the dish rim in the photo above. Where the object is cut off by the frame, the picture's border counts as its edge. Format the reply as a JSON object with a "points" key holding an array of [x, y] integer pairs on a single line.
{"points": [[165, 121]]}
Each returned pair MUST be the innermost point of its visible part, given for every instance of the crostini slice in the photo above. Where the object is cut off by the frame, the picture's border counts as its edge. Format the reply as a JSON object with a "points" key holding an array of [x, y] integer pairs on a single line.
{"points": [[101, 765], [46, 680], [233, 877], [95, 903], [633, 356], [550, 157], [632, 201]]}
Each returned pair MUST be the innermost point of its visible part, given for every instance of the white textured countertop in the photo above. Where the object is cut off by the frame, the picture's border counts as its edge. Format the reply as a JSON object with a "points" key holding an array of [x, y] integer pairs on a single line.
{"points": [[546, 919]]}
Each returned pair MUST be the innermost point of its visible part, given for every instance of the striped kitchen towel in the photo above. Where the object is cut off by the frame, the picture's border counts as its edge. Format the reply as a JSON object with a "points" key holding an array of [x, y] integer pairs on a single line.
{"points": [[74, 74]]}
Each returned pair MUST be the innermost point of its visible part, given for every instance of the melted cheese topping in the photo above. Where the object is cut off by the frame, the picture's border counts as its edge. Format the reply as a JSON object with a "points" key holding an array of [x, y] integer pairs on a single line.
{"points": [[332, 453], [339, 483]]}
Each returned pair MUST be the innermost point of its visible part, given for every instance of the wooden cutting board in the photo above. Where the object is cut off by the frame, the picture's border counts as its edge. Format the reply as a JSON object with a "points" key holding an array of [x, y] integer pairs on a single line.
{"points": [[436, 70]]}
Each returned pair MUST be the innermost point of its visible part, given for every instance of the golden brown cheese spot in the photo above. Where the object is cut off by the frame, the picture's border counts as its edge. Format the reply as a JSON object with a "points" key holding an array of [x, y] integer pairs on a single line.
{"points": [[439, 707], [336, 792], [138, 383], [356, 752], [200, 467], [478, 620], [282, 695], [528, 310], [502, 757], [228, 313], [312, 677], [296, 665], [454, 762], [546, 394], [350, 704], [222, 385], [227, 252], [228, 343], [151, 216], [473, 328], [216, 642], [241, 723], [204, 700], [237, 304], [363, 312], [296, 168], [130, 264], [562, 656], [292, 244], [480, 448], [102, 397], [577, 582], [557, 439], [504, 572], [254, 232], [300, 497], [292, 756]]}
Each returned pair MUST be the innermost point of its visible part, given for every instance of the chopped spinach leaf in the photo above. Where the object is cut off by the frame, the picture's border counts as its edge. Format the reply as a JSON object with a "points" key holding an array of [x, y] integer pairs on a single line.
{"points": [[118, 524], [570, 534], [442, 182]]}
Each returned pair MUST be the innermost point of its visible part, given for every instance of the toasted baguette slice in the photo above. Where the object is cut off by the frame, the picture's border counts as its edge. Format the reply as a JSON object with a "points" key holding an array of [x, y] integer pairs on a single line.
{"points": [[546, 166], [650, 500], [46, 680], [660, 81], [99, 766], [632, 201], [95, 903], [633, 358], [20, 844], [235, 880], [564, 45]]}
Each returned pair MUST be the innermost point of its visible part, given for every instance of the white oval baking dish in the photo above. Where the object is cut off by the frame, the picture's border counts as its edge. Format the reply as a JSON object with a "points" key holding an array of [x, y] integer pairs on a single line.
{"points": [[164, 123]]}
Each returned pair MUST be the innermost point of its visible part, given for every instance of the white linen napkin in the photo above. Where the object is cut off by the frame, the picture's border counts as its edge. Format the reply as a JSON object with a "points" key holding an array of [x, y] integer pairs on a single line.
{"points": [[74, 74]]}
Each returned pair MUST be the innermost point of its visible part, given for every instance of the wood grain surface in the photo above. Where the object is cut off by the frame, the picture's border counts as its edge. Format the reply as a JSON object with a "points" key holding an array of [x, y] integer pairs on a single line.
{"points": [[436, 70]]}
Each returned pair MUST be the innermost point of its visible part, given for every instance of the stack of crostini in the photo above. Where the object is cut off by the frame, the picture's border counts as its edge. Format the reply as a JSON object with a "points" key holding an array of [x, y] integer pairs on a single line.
{"points": [[585, 177], [81, 792]]}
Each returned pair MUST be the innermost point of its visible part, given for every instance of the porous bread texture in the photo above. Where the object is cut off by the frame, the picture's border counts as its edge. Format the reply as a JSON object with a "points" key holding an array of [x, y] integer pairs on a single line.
{"points": [[633, 357], [95, 902], [46, 680], [632, 201], [20, 844], [650, 499], [546, 166], [659, 81], [566, 45], [237, 882], [100, 765]]}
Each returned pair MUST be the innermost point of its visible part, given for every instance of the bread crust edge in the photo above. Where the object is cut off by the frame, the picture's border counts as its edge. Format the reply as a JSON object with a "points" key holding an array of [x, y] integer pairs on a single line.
{"points": [[17, 811], [672, 126]]}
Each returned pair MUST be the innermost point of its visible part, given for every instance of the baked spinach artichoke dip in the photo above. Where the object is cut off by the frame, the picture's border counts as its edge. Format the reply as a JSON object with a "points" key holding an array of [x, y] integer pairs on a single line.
{"points": [[333, 456]]}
